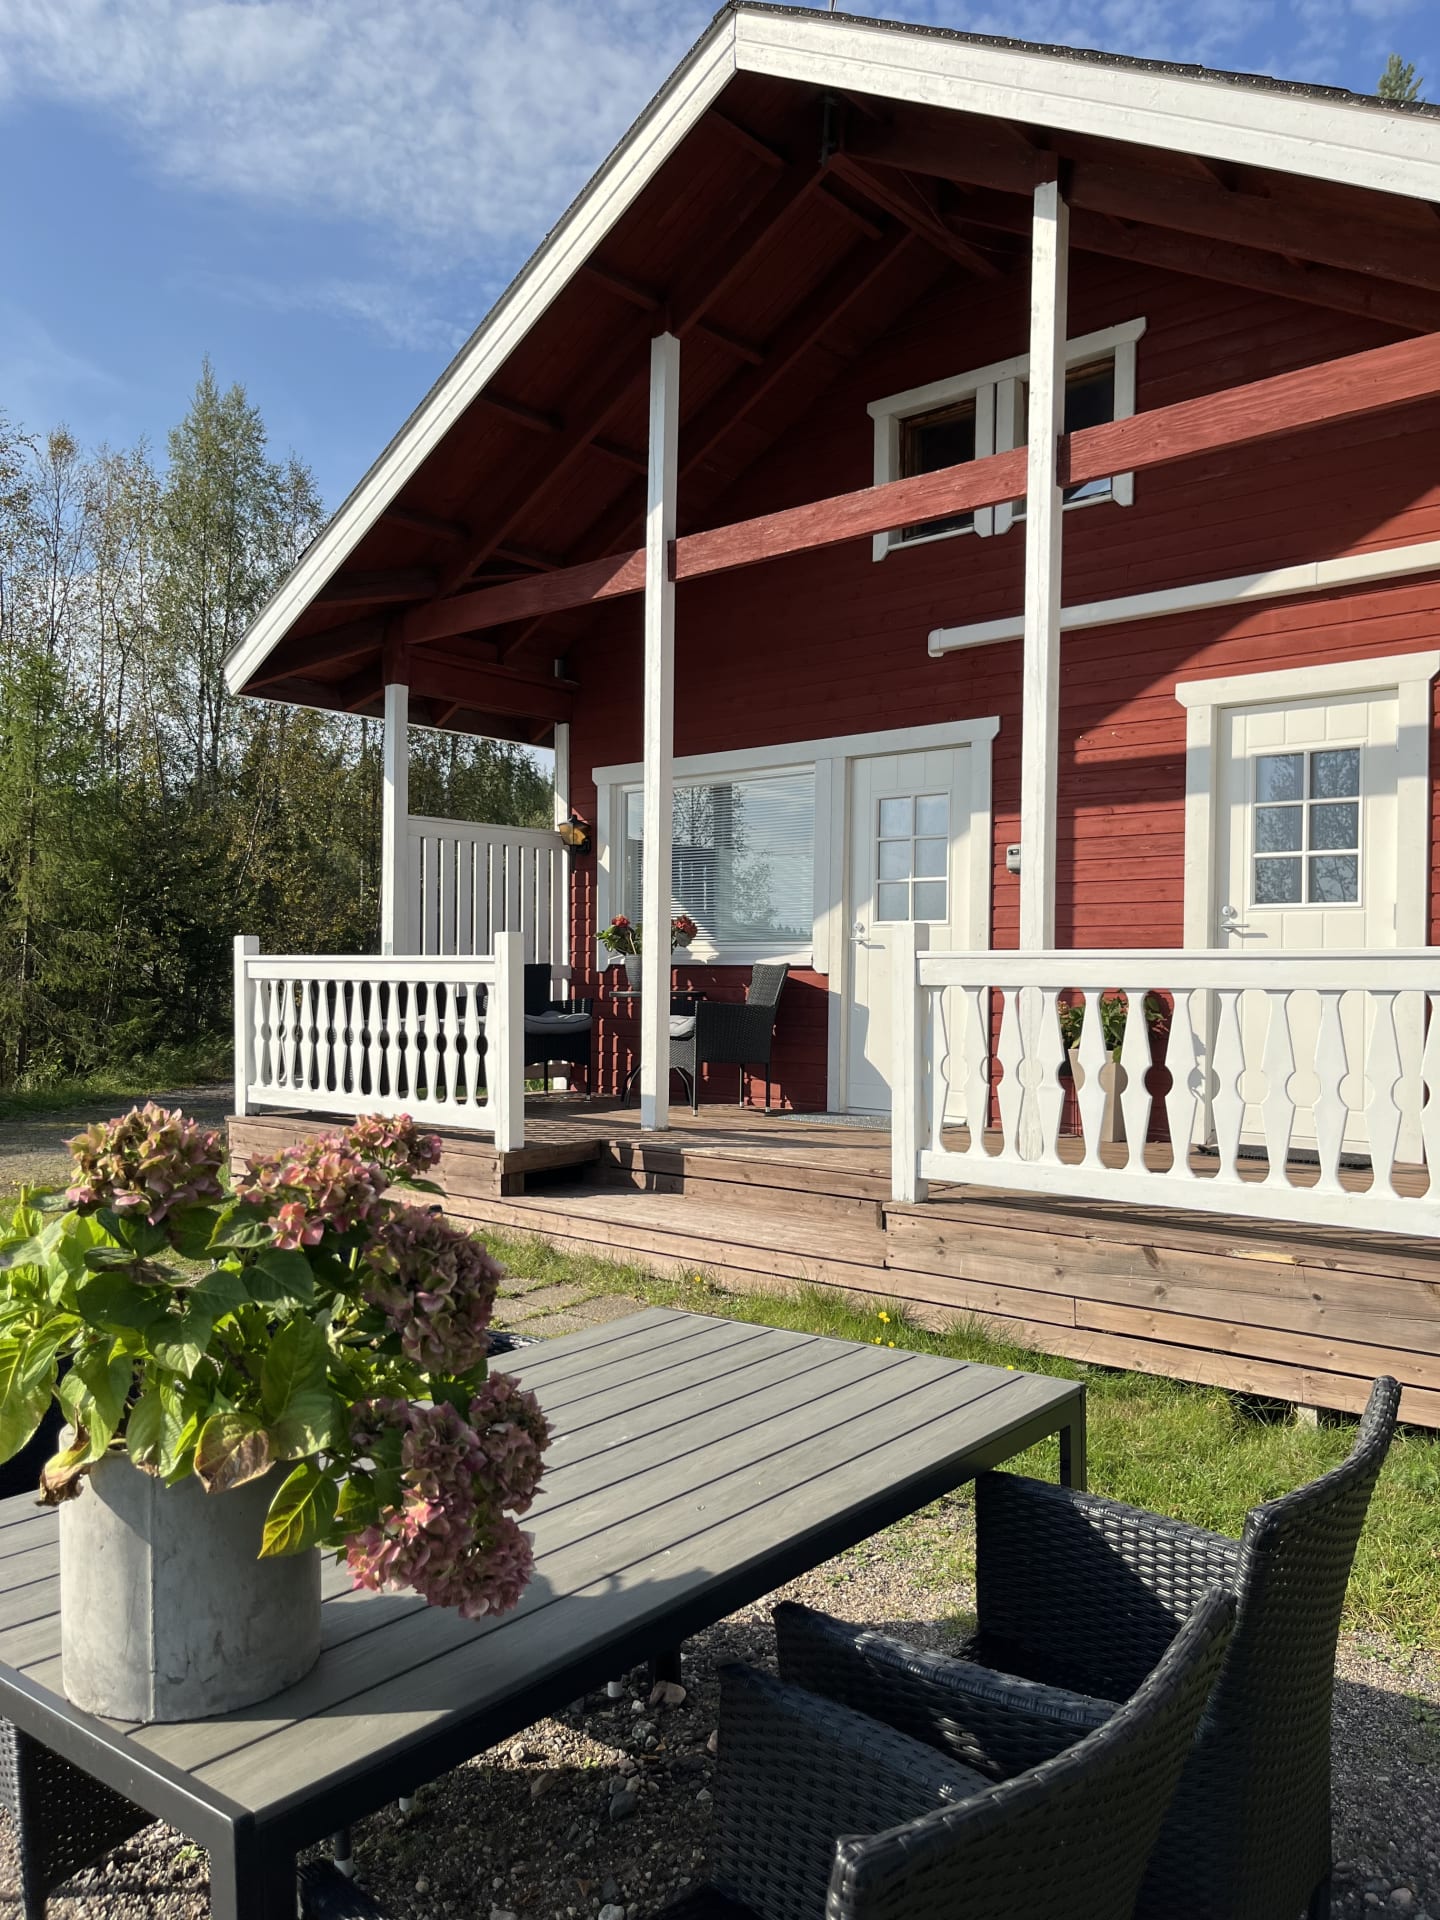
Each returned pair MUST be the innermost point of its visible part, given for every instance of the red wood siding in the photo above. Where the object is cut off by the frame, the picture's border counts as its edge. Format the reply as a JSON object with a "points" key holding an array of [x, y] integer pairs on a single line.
{"points": [[834, 643]]}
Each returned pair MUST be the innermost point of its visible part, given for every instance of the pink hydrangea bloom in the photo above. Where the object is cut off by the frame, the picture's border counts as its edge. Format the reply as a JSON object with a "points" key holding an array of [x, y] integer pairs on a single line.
{"points": [[318, 1185], [396, 1146], [148, 1161], [437, 1287], [513, 1434]]}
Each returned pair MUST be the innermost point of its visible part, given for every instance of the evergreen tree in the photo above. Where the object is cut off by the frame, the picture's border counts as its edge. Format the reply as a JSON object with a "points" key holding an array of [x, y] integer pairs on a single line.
{"points": [[1399, 82]]}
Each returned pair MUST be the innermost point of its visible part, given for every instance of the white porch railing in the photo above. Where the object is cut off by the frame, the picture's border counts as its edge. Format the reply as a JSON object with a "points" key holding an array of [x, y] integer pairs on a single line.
{"points": [[440, 1039], [467, 883], [1284, 1071]]}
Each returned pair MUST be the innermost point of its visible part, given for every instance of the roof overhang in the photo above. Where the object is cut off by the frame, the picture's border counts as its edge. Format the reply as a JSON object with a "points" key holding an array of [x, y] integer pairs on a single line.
{"points": [[1316, 133]]}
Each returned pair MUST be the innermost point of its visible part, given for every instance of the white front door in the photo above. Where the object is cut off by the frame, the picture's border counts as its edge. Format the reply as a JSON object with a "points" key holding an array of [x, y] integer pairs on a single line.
{"points": [[1308, 853], [910, 859]]}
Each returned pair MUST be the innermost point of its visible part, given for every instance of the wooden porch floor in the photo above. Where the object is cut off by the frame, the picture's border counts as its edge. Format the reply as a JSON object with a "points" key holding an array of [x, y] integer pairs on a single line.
{"points": [[1309, 1315]]}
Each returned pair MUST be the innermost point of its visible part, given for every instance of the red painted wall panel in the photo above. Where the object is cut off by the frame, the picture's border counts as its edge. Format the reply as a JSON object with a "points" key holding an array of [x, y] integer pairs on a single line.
{"points": [[834, 643]]}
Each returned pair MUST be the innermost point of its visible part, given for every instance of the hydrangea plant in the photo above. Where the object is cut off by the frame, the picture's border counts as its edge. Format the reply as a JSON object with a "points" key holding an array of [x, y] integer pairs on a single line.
{"points": [[307, 1314]]}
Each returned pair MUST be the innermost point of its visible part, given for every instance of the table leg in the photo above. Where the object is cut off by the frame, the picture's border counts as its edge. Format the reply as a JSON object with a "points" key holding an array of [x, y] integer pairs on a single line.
{"points": [[253, 1879], [1072, 1449], [665, 1665]]}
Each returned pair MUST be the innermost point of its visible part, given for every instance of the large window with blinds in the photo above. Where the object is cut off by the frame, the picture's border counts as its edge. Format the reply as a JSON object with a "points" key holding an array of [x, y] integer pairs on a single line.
{"points": [[742, 863]]}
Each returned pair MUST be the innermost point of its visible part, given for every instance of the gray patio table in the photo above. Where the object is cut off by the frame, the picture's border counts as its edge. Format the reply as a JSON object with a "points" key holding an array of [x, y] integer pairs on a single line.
{"points": [[698, 1464]]}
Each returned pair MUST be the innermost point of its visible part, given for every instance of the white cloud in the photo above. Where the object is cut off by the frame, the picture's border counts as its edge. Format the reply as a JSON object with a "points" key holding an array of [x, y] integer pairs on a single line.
{"points": [[400, 311]]}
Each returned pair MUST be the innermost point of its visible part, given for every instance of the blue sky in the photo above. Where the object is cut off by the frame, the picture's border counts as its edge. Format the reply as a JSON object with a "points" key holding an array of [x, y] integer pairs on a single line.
{"points": [[326, 195]]}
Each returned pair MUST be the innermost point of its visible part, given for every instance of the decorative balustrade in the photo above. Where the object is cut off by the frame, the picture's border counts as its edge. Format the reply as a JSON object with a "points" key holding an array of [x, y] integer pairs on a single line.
{"points": [[1292, 1086], [467, 883], [441, 1039]]}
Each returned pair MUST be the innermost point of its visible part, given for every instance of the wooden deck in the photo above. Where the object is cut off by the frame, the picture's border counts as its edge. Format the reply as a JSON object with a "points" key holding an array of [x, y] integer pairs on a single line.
{"points": [[1309, 1315]]}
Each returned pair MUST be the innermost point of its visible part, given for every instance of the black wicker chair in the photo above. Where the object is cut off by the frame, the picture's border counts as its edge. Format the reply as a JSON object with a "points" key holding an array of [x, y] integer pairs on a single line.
{"points": [[727, 1031], [1078, 1597], [824, 1812], [556, 1030]]}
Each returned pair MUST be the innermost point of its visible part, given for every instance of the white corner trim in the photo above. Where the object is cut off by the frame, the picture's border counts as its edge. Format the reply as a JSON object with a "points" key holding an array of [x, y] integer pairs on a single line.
{"points": [[938, 392], [1206, 701], [686, 95], [1343, 140], [1326, 677], [1313, 576]]}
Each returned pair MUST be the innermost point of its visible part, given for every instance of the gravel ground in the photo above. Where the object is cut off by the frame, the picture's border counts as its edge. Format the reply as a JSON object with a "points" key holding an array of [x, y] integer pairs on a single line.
{"points": [[32, 1145], [610, 1807]]}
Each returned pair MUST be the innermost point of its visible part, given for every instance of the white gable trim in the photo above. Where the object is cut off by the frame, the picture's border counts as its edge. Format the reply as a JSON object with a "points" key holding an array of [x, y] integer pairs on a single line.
{"points": [[1346, 141], [687, 94]]}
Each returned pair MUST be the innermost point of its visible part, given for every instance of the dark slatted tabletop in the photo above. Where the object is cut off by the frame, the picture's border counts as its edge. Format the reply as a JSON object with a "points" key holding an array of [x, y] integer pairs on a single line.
{"points": [[698, 1464]]}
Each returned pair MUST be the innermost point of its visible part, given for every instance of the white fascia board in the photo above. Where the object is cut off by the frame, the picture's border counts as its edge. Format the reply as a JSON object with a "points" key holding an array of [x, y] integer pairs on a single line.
{"points": [[1344, 141], [690, 90], [1312, 576]]}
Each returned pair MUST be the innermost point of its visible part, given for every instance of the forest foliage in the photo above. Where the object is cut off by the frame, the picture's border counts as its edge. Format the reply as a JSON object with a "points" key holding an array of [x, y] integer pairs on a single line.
{"points": [[146, 815]]}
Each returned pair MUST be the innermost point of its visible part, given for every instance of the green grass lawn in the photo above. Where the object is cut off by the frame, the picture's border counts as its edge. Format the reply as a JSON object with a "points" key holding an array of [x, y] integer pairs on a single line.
{"points": [[126, 1082], [1199, 1453]]}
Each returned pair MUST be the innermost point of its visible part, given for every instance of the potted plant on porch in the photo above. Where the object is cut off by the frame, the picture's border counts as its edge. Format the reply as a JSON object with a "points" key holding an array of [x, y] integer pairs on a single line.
{"points": [[252, 1371], [622, 938], [1113, 1014]]}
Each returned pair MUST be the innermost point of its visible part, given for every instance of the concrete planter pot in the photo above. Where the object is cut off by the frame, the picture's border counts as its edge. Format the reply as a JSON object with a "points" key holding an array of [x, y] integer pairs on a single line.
{"points": [[165, 1611], [1113, 1076], [632, 971]]}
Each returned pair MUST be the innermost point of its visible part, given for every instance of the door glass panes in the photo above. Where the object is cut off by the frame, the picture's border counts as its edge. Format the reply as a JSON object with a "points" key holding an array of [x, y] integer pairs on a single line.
{"points": [[912, 858], [1307, 828]]}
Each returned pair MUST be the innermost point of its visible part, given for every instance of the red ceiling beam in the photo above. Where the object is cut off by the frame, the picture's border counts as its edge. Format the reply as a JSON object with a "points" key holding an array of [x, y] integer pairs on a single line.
{"points": [[336, 646], [445, 675], [368, 589], [915, 208], [1349, 388]]}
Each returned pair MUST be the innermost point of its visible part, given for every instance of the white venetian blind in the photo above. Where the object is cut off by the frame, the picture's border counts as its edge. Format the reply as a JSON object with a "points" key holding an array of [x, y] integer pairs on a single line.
{"points": [[743, 860]]}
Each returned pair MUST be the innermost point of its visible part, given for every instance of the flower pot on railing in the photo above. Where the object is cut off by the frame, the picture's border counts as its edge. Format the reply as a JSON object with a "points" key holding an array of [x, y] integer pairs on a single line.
{"points": [[633, 968], [167, 1611]]}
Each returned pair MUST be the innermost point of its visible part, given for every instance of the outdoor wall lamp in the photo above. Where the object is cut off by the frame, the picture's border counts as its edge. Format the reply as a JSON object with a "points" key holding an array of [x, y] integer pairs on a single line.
{"points": [[575, 833]]}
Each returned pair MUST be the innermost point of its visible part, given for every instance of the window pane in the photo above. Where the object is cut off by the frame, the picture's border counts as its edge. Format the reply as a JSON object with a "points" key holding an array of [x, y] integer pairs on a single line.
{"points": [[1336, 824], [1278, 829], [1335, 879], [930, 900], [1280, 776], [930, 857], [742, 859], [894, 859], [1277, 883], [892, 900], [1089, 402], [932, 813], [1335, 774], [895, 817], [929, 441]]}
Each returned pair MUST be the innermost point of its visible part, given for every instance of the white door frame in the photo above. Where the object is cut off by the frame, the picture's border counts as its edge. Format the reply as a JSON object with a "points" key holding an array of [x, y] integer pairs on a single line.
{"points": [[831, 952], [1406, 675]]}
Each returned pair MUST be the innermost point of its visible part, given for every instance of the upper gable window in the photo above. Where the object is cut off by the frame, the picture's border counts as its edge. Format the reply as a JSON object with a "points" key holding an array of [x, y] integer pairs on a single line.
{"points": [[985, 412]]}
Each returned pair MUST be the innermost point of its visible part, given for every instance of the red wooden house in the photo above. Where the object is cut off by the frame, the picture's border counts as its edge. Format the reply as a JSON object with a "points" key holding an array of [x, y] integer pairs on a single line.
{"points": [[969, 512]]}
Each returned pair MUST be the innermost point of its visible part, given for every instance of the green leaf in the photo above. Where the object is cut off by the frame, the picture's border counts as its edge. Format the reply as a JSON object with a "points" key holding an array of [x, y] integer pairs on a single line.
{"points": [[144, 1428], [177, 1452], [111, 1301], [313, 1418], [281, 1277], [192, 1229], [232, 1448], [359, 1505], [22, 1404], [42, 1347], [219, 1292], [69, 1239], [180, 1342], [103, 1259], [301, 1512], [60, 1475], [295, 1363], [30, 1252], [107, 1376], [134, 1232], [241, 1230]]}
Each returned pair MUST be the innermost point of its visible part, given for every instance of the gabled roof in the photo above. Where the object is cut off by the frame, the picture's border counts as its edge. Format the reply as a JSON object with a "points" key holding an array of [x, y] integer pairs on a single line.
{"points": [[774, 60]]}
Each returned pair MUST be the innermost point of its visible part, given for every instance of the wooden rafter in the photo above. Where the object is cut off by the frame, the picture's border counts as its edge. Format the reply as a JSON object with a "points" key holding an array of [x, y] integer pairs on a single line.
{"points": [[336, 646], [649, 301], [613, 378], [536, 419], [443, 675], [1350, 388], [369, 589], [1356, 243], [913, 205], [420, 522]]}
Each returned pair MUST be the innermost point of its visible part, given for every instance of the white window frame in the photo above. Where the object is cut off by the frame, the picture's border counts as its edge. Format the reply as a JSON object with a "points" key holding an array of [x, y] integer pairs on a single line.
{"points": [[994, 389]]}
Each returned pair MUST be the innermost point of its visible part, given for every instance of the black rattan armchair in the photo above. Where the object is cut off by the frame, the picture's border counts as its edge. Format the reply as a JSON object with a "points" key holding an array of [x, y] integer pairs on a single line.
{"points": [[825, 1814], [555, 1030], [721, 1031], [1078, 1597]]}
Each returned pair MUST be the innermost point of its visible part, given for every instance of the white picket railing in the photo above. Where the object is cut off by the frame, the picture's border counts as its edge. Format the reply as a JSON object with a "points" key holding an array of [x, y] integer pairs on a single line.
{"points": [[467, 883], [1284, 1069], [440, 1039]]}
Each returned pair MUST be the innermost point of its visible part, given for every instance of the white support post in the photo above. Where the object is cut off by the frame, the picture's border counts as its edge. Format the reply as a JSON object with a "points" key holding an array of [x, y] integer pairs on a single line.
{"points": [[1040, 699], [561, 777], [395, 822], [245, 944], [658, 786], [910, 1103], [505, 1042]]}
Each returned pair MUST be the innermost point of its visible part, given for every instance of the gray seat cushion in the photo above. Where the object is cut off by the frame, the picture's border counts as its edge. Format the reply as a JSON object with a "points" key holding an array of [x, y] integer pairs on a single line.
{"points": [[557, 1023], [682, 1025]]}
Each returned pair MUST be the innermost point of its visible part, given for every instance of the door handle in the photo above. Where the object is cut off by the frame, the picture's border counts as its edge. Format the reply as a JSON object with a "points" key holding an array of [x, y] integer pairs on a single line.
{"points": [[858, 931]]}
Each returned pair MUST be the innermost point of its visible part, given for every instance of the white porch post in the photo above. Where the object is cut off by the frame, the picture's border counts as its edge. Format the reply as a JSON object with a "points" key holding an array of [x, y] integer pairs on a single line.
{"points": [[1040, 700], [395, 822], [658, 786]]}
